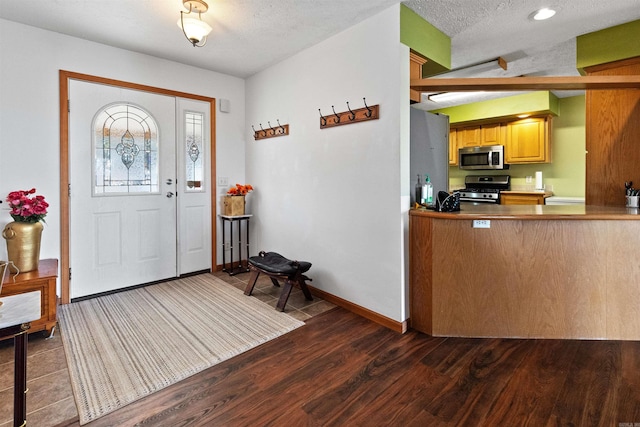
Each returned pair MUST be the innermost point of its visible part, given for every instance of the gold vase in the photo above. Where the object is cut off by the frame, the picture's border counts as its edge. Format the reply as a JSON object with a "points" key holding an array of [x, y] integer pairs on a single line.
{"points": [[23, 244]]}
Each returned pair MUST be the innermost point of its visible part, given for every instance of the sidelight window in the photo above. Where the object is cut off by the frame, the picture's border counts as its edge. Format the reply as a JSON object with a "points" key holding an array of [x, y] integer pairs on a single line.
{"points": [[194, 146]]}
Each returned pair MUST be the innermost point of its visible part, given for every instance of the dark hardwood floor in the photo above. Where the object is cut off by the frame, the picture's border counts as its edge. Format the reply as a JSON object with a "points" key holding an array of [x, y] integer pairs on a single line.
{"points": [[340, 369]]}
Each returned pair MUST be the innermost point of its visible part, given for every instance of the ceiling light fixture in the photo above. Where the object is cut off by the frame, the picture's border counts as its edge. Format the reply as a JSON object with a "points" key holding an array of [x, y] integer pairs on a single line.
{"points": [[194, 29], [542, 14], [451, 96]]}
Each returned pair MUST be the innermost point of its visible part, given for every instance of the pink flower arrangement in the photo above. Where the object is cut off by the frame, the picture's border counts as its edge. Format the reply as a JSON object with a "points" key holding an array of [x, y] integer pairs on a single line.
{"points": [[27, 208], [240, 190]]}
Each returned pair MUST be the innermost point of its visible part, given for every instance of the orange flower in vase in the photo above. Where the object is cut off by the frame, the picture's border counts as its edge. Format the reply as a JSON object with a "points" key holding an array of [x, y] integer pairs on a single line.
{"points": [[234, 206], [240, 190]]}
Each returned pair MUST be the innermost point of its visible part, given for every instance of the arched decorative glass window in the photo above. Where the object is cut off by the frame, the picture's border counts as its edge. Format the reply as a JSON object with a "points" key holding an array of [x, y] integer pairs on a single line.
{"points": [[126, 145]]}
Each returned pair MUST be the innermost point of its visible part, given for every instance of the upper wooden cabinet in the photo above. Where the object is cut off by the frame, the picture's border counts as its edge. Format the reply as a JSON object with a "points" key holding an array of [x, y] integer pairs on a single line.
{"points": [[453, 147], [528, 141], [415, 72], [486, 134], [469, 136], [493, 134]]}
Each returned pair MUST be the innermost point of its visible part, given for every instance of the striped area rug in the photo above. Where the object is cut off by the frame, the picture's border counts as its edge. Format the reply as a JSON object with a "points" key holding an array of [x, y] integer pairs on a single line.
{"points": [[124, 346]]}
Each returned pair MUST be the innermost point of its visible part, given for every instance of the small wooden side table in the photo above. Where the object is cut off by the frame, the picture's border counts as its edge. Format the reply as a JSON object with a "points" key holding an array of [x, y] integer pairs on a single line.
{"points": [[238, 219], [44, 280], [17, 311]]}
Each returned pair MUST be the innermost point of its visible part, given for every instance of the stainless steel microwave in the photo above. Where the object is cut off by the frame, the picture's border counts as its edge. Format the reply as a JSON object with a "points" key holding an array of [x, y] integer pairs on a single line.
{"points": [[484, 157]]}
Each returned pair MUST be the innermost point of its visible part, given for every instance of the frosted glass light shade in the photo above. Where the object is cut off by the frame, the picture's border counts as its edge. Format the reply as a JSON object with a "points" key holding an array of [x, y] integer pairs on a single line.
{"points": [[195, 29]]}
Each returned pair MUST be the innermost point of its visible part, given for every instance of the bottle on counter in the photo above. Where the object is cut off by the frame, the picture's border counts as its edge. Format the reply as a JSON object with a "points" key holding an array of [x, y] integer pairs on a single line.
{"points": [[427, 192], [419, 190]]}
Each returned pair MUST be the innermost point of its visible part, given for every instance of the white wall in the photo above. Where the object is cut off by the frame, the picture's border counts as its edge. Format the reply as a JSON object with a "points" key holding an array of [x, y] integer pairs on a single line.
{"points": [[334, 197], [29, 118]]}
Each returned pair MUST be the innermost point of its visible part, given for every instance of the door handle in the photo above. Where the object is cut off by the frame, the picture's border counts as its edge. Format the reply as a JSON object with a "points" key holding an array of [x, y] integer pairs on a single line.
{"points": [[169, 181], [169, 194]]}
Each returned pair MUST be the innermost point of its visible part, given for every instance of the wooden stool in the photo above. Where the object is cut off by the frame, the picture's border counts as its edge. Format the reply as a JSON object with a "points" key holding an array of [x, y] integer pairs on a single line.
{"points": [[278, 268]]}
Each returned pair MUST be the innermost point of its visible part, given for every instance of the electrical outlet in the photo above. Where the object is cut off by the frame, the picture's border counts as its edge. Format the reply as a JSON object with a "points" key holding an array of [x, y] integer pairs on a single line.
{"points": [[481, 223], [223, 181], [528, 179]]}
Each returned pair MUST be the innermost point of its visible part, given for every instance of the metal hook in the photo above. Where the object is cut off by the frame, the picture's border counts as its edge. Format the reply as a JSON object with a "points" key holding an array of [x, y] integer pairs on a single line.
{"points": [[352, 116], [273, 131], [263, 131], [323, 119], [254, 131], [337, 119], [369, 110], [281, 127]]}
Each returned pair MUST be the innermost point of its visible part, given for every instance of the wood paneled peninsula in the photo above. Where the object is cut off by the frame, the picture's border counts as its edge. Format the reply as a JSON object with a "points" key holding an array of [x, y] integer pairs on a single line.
{"points": [[537, 272]]}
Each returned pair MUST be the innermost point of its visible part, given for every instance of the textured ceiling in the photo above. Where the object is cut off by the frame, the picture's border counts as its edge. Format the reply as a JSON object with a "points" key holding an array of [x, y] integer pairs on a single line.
{"points": [[483, 30], [247, 36], [250, 35]]}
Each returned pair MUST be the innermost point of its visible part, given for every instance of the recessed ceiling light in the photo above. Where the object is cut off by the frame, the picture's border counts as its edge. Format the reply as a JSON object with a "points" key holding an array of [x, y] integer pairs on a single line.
{"points": [[542, 14]]}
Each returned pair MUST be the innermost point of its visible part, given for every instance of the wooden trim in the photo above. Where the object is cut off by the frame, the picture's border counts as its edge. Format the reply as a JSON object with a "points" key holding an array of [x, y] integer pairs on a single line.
{"points": [[610, 65], [526, 83], [64, 77], [394, 325], [64, 187], [417, 58], [214, 186]]}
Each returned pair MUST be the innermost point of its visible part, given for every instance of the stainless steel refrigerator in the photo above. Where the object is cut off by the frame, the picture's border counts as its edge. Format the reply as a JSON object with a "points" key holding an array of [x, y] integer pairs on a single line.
{"points": [[429, 154]]}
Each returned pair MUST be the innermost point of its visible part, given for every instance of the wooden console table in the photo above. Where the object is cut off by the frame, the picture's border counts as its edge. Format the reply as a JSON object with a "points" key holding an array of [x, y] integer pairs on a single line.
{"points": [[17, 311], [44, 280]]}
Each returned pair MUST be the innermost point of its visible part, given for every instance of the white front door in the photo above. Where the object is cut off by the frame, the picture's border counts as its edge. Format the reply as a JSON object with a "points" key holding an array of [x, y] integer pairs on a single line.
{"points": [[123, 209]]}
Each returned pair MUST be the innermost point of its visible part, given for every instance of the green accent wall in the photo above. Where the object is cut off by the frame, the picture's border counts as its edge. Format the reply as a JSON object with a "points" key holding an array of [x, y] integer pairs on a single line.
{"points": [[608, 45], [566, 173], [542, 102], [427, 40]]}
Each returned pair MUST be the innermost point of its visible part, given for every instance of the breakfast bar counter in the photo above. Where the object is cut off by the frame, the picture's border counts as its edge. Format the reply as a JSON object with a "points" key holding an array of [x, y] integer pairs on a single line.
{"points": [[535, 212], [526, 271]]}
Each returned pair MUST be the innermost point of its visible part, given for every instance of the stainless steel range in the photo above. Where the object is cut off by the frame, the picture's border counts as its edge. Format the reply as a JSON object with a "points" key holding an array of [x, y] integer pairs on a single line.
{"points": [[484, 188]]}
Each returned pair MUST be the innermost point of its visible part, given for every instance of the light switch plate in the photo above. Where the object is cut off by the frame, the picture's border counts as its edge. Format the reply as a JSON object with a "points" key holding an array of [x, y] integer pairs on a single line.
{"points": [[223, 181]]}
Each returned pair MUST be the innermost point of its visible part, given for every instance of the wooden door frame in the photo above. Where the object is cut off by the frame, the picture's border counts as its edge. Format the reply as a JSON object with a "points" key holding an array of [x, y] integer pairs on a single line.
{"points": [[64, 78]]}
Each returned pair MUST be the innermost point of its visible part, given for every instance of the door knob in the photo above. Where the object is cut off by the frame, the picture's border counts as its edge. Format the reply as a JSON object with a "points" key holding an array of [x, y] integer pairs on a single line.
{"points": [[169, 194]]}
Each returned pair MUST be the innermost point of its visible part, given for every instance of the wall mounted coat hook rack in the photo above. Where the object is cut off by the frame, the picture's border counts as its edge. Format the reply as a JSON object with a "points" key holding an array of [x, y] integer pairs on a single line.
{"points": [[323, 120], [271, 131], [350, 116]]}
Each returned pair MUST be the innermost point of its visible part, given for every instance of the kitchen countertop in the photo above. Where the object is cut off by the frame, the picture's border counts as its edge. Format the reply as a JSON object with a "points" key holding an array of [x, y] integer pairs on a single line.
{"points": [[534, 212]]}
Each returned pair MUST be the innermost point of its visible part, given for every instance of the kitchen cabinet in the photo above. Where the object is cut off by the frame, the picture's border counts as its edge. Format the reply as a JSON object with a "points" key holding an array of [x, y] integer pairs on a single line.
{"points": [[415, 72], [612, 135], [558, 273], [44, 280], [469, 136], [453, 147], [522, 198], [478, 135], [492, 134], [525, 140], [528, 141]]}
